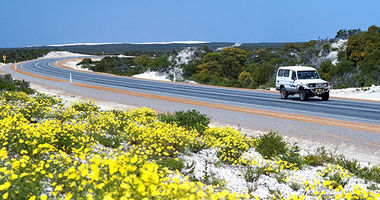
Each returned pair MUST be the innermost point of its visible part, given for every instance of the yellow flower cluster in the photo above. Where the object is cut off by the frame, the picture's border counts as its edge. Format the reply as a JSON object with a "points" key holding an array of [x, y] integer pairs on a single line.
{"points": [[38, 106], [52, 151], [230, 143], [59, 156]]}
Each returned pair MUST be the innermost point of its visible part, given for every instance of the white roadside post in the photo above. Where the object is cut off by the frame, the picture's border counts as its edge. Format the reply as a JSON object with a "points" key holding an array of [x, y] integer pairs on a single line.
{"points": [[71, 78]]}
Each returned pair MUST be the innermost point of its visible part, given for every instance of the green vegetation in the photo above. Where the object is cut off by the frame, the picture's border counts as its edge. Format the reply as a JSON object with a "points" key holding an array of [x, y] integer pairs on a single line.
{"points": [[322, 156], [127, 66], [172, 163], [344, 33], [191, 119], [113, 65], [8, 84], [17, 55], [358, 65], [247, 67], [271, 145]]}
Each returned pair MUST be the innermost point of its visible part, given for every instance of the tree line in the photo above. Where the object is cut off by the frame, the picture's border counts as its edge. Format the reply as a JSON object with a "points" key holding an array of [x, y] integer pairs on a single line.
{"points": [[17, 55]]}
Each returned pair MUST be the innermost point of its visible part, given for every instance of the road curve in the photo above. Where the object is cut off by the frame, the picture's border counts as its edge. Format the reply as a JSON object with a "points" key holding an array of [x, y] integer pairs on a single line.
{"points": [[334, 109]]}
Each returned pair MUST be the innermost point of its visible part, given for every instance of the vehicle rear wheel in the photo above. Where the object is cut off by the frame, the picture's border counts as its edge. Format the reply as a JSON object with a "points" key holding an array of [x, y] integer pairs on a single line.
{"points": [[325, 96], [303, 94], [284, 93]]}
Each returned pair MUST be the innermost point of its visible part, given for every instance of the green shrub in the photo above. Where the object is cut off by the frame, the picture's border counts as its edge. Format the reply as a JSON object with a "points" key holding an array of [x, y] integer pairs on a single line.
{"points": [[250, 174], [320, 156], [8, 84], [86, 106], [113, 141], [171, 163], [85, 61], [293, 156], [337, 180], [253, 173], [370, 173], [295, 186], [191, 119], [313, 160], [351, 165], [271, 144]]}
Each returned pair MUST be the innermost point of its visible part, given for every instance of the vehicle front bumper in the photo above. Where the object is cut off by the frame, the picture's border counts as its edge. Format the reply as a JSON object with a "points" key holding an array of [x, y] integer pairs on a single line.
{"points": [[318, 91]]}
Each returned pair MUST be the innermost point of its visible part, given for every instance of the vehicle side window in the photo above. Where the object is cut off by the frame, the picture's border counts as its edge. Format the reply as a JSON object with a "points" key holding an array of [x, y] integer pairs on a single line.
{"points": [[286, 73], [293, 75], [280, 72]]}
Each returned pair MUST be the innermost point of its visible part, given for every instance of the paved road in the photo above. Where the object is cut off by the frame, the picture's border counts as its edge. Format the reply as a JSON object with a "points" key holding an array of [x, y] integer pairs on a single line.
{"points": [[348, 110]]}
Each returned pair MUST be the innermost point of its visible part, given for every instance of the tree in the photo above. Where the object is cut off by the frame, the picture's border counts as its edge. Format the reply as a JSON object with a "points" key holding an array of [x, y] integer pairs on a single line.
{"points": [[232, 61], [211, 57], [85, 61], [360, 45], [190, 68], [142, 60], [240, 55], [371, 67], [159, 64], [344, 33], [262, 74], [261, 56], [327, 70], [209, 72], [245, 79]]}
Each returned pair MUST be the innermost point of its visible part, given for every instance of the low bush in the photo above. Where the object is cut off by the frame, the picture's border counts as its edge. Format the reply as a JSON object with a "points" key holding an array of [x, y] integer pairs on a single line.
{"points": [[322, 156], [313, 160], [191, 119], [271, 144], [293, 156], [86, 106], [351, 165], [7, 83], [370, 173], [171, 163]]}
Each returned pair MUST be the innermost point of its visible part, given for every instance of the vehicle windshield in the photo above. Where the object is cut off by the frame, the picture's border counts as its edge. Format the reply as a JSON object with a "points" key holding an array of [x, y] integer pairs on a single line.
{"points": [[308, 74]]}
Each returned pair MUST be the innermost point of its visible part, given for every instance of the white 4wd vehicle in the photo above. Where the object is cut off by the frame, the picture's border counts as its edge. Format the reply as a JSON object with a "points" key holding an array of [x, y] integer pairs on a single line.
{"points": [[301, 80]]}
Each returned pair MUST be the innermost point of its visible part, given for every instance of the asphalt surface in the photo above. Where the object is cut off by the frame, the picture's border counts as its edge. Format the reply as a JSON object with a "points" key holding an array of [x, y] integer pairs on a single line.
{"points": [[341, 109]]}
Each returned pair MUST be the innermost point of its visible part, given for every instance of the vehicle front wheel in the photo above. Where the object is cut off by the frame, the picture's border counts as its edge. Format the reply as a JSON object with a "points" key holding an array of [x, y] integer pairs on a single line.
{"points": [[284, 93], [325, 96], [303, 94]]}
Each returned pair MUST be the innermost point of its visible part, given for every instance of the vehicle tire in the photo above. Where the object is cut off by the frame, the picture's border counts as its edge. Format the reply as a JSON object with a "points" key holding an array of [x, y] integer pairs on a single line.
{"points": [[284, 93], [325, 96], [303, 95]]}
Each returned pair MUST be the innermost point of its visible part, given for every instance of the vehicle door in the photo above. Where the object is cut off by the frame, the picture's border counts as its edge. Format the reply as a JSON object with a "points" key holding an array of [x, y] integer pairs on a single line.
{"points": [[292, 80], [287, 81]]}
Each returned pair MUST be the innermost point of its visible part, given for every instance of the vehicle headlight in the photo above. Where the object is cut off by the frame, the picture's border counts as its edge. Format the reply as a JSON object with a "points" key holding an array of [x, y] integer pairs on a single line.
{"points": [[326, 84], [311, 85]]}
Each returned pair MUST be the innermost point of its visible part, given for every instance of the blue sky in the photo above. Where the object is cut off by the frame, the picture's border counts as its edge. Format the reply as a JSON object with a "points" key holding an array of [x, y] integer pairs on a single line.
{"points": [[43, 22]]}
